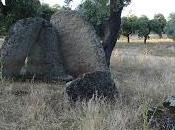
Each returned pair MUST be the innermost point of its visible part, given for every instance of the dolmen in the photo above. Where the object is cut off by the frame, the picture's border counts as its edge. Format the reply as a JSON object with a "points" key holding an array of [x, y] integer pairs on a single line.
{"points": [[64, 49]]}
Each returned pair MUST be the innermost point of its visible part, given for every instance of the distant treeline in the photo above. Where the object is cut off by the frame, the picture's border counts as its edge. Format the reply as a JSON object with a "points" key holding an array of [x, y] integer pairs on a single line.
{"points": [[142, 26], [96, 14]]}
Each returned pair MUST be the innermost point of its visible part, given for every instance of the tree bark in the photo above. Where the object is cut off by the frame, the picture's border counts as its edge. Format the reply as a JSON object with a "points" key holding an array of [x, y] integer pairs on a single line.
{"points": [[160, 36], [111, 30], [145, 39], [128, 39]]}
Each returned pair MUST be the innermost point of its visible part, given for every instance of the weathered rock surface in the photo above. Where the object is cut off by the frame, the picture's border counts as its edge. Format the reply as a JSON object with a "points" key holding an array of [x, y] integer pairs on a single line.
{"points": [[169, 103], [98, 84], [82, 50], [44, 60], [36, 40], [162, 117], [14, 51], [162, 120]]}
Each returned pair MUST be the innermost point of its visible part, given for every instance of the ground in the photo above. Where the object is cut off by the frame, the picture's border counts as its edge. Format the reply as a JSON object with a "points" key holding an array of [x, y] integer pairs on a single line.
{"points": [[144, 75]]}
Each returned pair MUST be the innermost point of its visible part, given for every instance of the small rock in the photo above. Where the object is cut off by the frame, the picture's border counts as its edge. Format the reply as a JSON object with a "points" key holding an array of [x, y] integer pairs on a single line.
{"points": [[169, 103]]}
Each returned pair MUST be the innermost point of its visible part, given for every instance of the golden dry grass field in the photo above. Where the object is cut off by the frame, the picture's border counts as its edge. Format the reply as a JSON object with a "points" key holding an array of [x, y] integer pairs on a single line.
{"points": [[144, 75]]}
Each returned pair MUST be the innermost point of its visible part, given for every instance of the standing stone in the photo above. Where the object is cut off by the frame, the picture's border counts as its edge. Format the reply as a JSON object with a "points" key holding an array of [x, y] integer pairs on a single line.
{"points": [[33, 43], [44, 60], [82, 50], [15, 48], [98, 84]]}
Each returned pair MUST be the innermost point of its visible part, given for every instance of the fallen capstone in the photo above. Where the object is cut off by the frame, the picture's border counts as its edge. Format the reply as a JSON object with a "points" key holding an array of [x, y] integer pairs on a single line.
{"points": [[81, 47], [95, 84], [31, 50]]}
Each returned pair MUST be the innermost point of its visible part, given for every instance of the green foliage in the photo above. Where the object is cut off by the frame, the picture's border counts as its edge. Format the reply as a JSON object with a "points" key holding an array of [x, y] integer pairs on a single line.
{"points": [[170, 28], [6, 22], [158, 24], [129, 25], [144, 26], [19, 9], [45, 11], [96, 12], [161, 19]]}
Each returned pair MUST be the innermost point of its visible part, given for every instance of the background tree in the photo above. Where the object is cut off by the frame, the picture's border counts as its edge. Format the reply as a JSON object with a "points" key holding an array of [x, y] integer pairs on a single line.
{"points": [[28, 6], [129, 26], [158, 24], [112, 26], [45, 11], [144, 27], [14, 10], [96, 12], [170, 28]]}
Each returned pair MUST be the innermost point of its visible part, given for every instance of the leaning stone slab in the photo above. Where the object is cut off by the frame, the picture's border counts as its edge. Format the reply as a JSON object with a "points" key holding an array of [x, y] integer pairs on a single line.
{"points": [[98, 84], [32, 45], [81, 48], [45, 59], [22, 36]]}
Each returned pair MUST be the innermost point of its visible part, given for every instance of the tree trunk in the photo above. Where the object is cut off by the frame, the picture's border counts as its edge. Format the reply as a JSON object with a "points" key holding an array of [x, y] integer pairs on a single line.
{"points": [[111, 31], [128, 39], [160, 36], [145, 38]]}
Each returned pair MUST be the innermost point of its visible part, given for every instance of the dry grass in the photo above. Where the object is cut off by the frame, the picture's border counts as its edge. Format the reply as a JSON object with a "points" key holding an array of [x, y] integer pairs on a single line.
{"points": [[154, 39], [43, 107], [143, 80]]}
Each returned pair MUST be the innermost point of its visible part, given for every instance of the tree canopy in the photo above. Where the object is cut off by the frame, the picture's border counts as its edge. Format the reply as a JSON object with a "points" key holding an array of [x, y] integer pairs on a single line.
{"points": [[158, 24], [170, 28], [96, 12], [143, 26], [129, 26], [14, 10]]}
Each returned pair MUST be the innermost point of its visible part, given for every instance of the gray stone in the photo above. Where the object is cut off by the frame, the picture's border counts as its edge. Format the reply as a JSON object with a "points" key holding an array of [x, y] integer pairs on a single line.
{"points": [[32, 46], [44, 60], [170, 103], [98, 84], [160, 118], [14, 50], [82, 50]]}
